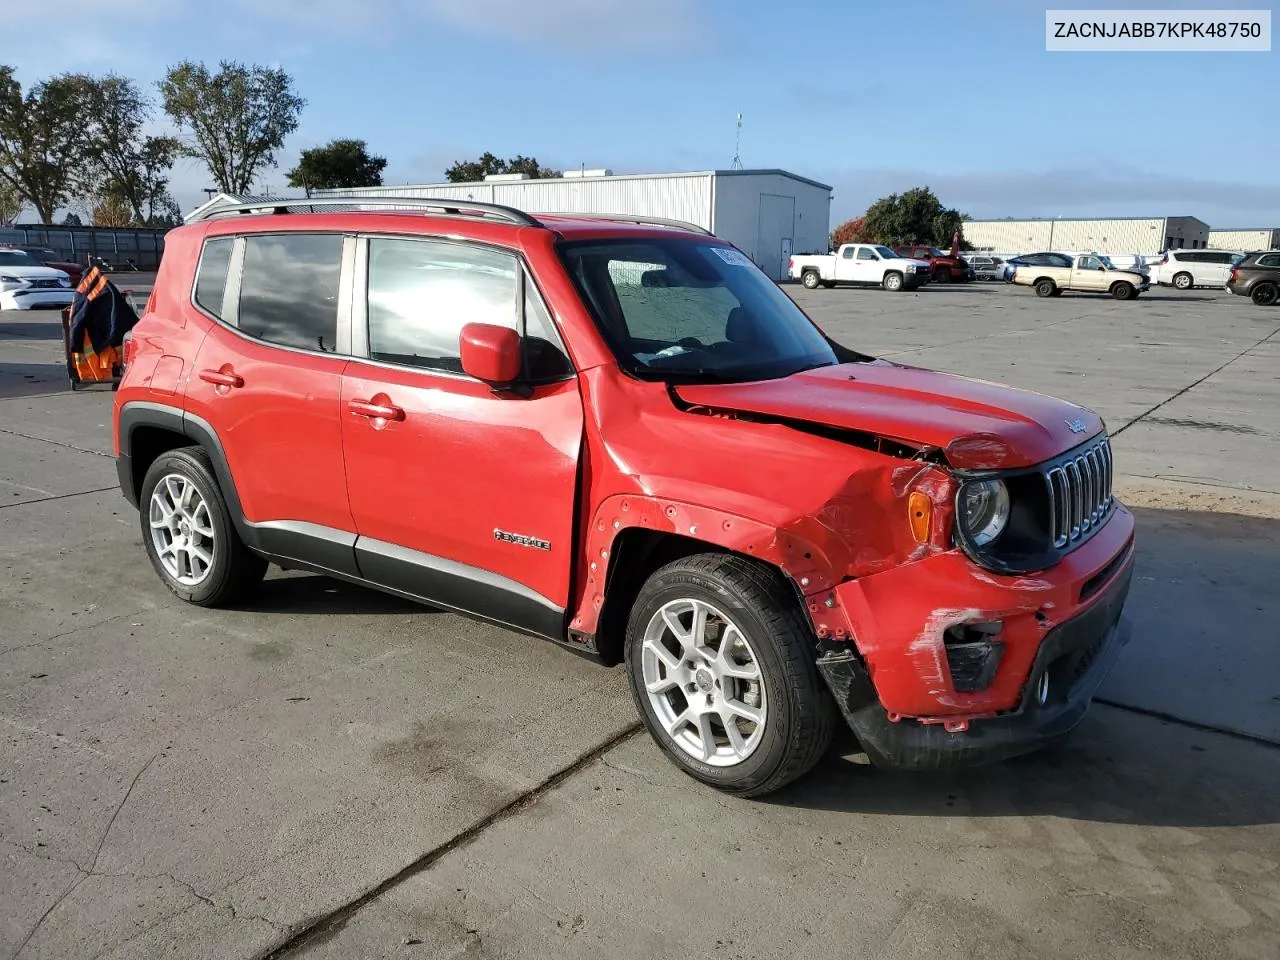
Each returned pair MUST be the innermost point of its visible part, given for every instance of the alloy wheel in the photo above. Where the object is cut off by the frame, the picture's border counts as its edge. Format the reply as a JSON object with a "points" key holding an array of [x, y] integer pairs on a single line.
{"points": [[182, 530], [704, 682]]}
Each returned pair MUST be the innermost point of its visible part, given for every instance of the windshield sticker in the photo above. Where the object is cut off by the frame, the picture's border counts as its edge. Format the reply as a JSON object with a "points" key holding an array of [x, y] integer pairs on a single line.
{"points": [[732, 257]]}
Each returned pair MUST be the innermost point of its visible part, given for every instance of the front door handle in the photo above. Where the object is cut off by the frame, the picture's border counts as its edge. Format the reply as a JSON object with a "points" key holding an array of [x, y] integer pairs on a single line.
{"points": [[222, 378], [375, 411]]}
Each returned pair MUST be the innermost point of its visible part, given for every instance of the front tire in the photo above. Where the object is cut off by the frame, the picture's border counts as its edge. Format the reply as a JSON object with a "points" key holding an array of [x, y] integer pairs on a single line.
{"points": [[810, 280], [942, 276], [1183, 281], [892, 282], [188, 533], [1123, 290], [1264, 294], [720, 662]]}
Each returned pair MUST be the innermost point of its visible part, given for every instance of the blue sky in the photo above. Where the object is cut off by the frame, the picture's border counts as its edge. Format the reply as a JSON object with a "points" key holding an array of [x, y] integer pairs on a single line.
{"points": [[872, 97]]}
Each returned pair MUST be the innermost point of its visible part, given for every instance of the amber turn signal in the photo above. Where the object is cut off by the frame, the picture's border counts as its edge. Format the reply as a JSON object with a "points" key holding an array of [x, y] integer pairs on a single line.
{"points": [[919, 514]]}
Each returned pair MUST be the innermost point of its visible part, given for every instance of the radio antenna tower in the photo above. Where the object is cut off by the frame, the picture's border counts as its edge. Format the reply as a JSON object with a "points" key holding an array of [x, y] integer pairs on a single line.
{"points": [[737, 147]]}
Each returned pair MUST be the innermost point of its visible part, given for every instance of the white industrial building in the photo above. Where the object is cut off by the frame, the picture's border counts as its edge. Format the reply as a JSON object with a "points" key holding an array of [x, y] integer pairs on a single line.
{"points": [[767, 214], [1245, 238], [1142, 236]]}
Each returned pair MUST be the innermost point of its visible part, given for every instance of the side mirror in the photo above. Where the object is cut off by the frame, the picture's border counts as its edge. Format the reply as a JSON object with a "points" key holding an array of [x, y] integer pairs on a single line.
{"points": [[490, 353]]}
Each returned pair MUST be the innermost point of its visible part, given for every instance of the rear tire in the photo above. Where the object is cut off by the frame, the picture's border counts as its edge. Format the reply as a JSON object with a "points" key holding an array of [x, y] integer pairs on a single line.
{"points": [[1264, 294], [1123, 290], [892, 282], [188, 533], [1183, 281], [1046, 288], [752, 654], [810, 279]]}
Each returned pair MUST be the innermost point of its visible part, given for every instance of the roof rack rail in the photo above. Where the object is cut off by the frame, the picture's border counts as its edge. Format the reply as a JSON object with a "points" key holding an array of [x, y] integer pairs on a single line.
{"points": [[632, 218], [447, 206]]}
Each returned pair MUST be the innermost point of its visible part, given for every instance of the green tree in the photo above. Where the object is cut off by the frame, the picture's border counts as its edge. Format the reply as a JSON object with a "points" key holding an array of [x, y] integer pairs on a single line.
{"points": [[235, 119], [112, 209], [337, 165], [11, 204], [471, 171], [914, 216], [136, 166], [42, 140]]}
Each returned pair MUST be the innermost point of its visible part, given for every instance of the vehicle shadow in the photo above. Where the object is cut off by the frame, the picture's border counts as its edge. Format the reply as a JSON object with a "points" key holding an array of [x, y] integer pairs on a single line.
{"points": [[1203, 605], [308, 593]]}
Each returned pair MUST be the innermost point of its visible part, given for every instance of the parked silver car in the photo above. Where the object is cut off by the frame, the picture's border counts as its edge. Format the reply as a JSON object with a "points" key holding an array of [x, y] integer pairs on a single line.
{"points": [[985, 266]]}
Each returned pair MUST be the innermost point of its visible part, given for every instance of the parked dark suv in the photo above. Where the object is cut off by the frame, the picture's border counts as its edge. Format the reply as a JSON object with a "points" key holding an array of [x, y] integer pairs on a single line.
{"points": [[1257, 277]]}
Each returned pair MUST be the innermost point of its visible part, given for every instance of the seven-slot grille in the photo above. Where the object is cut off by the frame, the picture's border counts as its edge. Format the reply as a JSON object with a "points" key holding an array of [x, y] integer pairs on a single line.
{"points": [[1079, 493]]}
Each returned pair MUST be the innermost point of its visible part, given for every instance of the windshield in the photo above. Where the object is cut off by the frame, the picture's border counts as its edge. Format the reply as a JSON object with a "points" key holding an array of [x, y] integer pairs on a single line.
{"points": [[16, 258], [682, 309], [886, 253]]}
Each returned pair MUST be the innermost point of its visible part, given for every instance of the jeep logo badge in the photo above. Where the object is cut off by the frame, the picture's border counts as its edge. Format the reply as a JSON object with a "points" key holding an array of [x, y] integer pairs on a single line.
{"points": [[1076, 426]]}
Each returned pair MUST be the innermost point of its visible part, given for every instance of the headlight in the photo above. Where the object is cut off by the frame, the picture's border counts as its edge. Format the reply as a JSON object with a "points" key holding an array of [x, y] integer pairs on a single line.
{"points": [[911, 268], [982, 507], [5, 278]]}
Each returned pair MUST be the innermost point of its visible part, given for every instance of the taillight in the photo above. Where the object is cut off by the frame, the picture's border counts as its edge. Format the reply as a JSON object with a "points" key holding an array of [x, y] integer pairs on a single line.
{"points": [[129, 349], [1235, 274]]}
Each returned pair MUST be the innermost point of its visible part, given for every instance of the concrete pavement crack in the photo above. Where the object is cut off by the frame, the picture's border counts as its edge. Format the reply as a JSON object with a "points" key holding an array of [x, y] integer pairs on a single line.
{"points": [[1192, 386], [60, 496], [84, 875], [56, 443], [334, 920]]}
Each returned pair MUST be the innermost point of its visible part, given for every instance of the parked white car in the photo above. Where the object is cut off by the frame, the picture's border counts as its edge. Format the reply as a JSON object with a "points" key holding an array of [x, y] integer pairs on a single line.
{"points": [[26, 284], [861, 263], [1185, 269], [1086, 274]]}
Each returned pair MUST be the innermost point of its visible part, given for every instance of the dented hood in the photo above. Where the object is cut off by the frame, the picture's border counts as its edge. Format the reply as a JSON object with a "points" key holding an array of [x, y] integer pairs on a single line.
{"points": [[978, 425]]}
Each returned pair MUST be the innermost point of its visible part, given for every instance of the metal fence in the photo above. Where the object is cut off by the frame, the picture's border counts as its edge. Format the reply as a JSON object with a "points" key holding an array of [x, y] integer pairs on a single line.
{"points": [[144, 246]]}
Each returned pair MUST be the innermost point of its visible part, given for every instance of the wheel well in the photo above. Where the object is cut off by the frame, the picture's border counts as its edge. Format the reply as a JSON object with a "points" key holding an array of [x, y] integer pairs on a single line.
{"points": [[146, 444], [1120, 283], [636, 553], [1040, 280]]}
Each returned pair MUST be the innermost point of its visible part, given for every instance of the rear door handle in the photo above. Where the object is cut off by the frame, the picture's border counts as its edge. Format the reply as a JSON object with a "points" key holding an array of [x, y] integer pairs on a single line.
{"points": [[222, 378], [375, 411]]}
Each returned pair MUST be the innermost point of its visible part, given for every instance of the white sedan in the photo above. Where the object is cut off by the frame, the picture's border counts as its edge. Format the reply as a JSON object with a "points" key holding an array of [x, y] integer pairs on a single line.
{"points": [[27, 284]]}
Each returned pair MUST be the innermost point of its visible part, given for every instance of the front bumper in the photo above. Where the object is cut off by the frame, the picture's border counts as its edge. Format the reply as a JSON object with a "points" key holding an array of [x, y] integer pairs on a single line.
{"points": [[907, 683], [37, 297], [1074, 659]]}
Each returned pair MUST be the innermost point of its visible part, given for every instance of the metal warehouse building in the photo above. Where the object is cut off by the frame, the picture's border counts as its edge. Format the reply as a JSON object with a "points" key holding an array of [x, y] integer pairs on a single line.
{"points": [[1245, 238], [768, 214], [1138, 235]]}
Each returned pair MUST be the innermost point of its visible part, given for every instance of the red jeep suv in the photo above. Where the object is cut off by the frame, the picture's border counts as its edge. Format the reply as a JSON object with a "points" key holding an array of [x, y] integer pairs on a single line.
{"points": [[619, 435]]}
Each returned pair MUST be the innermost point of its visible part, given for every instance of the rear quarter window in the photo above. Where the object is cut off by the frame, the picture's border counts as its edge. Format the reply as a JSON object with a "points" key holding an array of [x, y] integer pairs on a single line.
{"points": [[1270, 260], [211, 275]]}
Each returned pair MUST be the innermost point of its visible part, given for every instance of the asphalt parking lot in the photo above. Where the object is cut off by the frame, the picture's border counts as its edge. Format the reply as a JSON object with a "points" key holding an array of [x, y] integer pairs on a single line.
{"points": [[335, 773]]}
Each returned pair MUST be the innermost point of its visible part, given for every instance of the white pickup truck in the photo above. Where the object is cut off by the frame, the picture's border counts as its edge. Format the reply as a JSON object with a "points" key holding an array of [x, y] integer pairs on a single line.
{"points": [[860, 263]]}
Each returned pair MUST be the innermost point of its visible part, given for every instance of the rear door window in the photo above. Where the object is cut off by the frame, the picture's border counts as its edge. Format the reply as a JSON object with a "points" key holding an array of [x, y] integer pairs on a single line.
{"points": [[289, 289]]}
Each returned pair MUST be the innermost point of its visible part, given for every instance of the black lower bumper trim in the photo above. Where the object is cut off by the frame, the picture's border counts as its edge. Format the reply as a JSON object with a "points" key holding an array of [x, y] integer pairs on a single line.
{"points": [[1076, 658]]}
